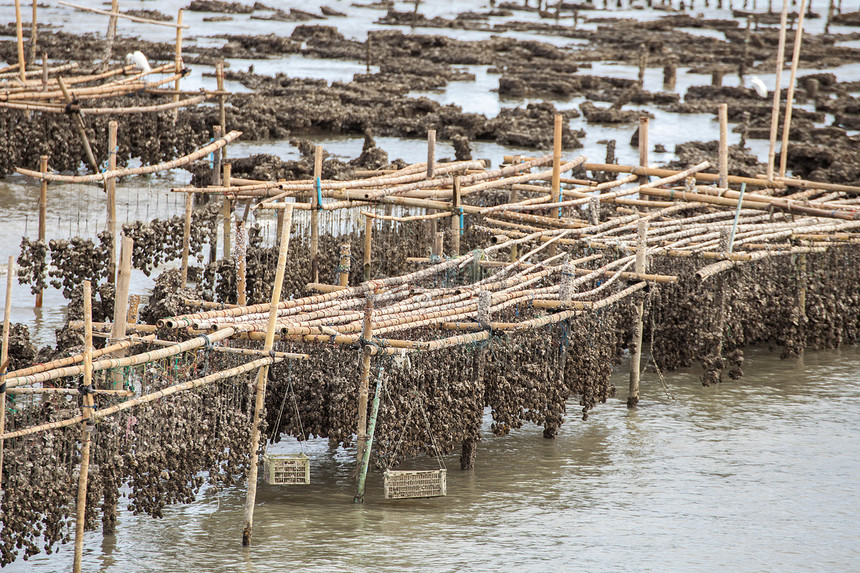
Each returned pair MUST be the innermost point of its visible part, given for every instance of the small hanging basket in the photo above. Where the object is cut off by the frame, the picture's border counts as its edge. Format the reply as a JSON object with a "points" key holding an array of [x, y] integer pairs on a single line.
{"points": [[401, 484], [286, 469]]}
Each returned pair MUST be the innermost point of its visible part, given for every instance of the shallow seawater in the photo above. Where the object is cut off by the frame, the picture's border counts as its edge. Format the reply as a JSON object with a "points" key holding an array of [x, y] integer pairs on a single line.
{"points": [[751, 475]]}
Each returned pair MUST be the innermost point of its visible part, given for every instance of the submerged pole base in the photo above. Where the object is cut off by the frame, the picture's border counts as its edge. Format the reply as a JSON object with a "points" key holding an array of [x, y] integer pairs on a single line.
{"points": [[246, 537], [358, 498], [632, 401]]}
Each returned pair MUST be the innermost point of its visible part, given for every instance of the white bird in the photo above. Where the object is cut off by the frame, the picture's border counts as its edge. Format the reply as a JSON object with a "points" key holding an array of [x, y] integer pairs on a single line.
{"points": [[138, 60], [758, 86]]}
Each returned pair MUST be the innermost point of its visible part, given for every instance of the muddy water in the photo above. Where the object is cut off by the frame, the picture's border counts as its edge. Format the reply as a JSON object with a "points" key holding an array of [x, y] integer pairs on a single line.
{"points": [[755, 475]]}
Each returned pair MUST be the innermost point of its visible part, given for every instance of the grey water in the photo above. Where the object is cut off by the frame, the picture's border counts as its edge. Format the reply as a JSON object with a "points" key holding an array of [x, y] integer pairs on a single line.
{"points": [[758, 474], [752, 475]]}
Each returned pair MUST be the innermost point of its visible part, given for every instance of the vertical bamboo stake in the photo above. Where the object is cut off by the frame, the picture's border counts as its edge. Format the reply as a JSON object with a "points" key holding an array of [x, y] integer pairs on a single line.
{"points": [[19, 33], [556, 163], [455, 218], [43, 212], [789, 96], [186, 238], [110, 186], [33, 33], [179, 65], [241, 261], [431, 153], [44, 72], [315, 214], [227, 212], [438, 244], [366, 335], [431, 173], [120, 305], [222, 100], [344, 266], [262, 377], [777, 90], [636, 359], [365, 459], [78, 122], [111, 32], [724, 145], [368, 245], [216, 157], [4, 356], [513, 197], [87, 427], [643, 146]]}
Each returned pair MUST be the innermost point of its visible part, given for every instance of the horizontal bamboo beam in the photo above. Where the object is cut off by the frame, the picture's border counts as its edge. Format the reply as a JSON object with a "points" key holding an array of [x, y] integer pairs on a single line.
{"points": [[98, 177], [137, 19]]}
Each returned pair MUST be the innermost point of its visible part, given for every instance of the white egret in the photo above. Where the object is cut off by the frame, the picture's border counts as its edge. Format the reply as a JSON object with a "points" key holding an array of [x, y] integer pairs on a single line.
{"points": [[758, 86], [138, 60]]}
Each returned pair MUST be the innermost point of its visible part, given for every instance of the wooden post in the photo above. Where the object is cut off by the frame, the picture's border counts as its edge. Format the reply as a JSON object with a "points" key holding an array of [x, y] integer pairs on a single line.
{"points": [[789, 96], [4, 356], [643, 146], [178, 62], [315, 214], [643, 64], [368, 245], [216, 157], [724, 145], [636, 358], [33, 33], [455, 218], [110, 186], [227, 212], [669, 74], [78, 122], [777, 90], [44, 72], [120, 305], [43, 212], [222, 100], [186, 238], [110, 35], [262, 377], [19, 33], [87, 427], [344, 266], [366, 335]]}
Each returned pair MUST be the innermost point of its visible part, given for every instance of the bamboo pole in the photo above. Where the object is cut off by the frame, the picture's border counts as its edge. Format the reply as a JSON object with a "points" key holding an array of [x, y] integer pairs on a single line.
{"points": [[178, 61], [222, 101], [262, 377], [556, 163], [97, 177], [643, 146], [658, 172], [33, 33], [87, 427], [19, 34], [777, 90], [216, 158], [110, 186], [315, 215], [43, 213], [431, 153], [366, 336], [241, 261], [78, 122], [723, 112], [120, 306], [126, 16], [456, 214], [227, 213], [186, 240], [789, 96], [4, 358], [368, 245], [365, 459], [344, 267], [110, 36], [636, 359]]}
